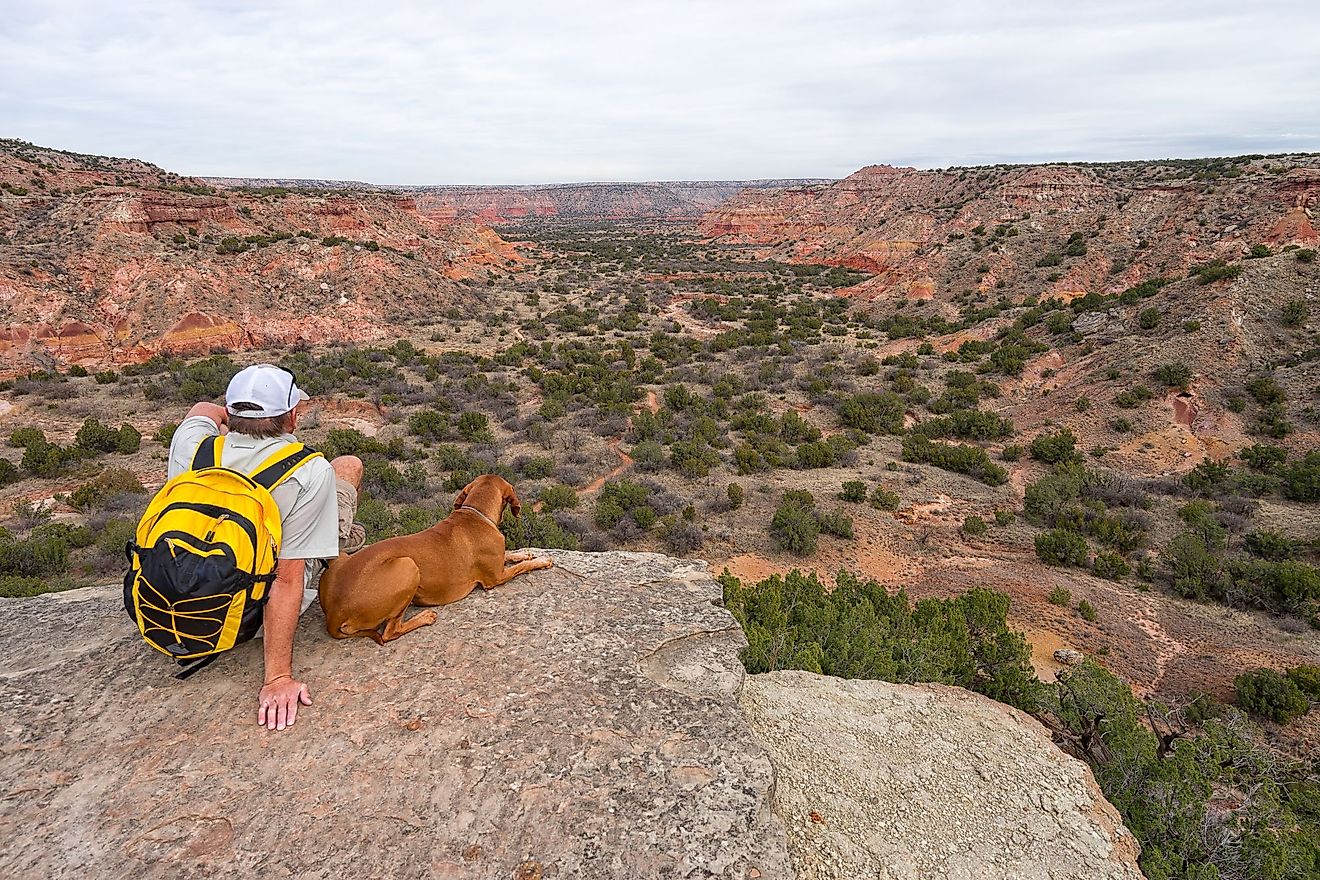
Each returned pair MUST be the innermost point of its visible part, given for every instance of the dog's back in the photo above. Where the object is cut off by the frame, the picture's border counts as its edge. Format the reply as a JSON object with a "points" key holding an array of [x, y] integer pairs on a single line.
{"points": [[436, 566]]}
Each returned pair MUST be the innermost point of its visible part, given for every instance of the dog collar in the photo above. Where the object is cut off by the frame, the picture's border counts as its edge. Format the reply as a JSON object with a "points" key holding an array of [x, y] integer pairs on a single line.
{"points": [[480, 514]]}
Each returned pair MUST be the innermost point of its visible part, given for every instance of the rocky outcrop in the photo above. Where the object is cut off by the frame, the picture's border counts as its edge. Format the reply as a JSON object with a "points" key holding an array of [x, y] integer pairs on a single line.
{"points": [[902, 782], [941, 232], [136, 262], [581, 722]]}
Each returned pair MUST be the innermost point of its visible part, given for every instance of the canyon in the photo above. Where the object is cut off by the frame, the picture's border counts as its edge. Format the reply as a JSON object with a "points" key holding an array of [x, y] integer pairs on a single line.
{"points": [[937, 233], [107, 262], [651, 200]]}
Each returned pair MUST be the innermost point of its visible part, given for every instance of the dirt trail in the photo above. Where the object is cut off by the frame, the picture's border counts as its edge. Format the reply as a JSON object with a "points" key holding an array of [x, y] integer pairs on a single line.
{"points": [[625, 460], [681, 316], [1166, 648]]}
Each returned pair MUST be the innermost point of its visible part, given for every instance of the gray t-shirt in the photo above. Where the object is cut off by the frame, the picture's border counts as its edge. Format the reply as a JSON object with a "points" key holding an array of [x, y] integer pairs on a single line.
{"points": [[308, 509]]}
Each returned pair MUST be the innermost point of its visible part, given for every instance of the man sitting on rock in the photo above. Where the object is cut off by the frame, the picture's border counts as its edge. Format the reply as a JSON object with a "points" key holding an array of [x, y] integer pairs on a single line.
{"points": [[317, 504]]}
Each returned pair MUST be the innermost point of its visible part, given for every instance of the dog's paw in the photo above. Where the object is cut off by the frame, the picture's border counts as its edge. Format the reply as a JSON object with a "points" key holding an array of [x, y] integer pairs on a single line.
{"points": [[428, 617]]}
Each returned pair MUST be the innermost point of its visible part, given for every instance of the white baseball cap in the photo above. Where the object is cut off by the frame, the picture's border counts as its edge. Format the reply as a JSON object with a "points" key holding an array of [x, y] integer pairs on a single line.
{"points": [[262, 391]]}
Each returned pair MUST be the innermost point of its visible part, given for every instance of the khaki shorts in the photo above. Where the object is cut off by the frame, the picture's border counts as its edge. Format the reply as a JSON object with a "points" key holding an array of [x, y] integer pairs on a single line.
{"points": [[346, 500]]}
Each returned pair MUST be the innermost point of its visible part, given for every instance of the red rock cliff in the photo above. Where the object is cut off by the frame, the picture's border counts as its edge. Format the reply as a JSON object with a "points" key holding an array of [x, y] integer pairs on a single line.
{"points": [[941, 232], [113, 260]]}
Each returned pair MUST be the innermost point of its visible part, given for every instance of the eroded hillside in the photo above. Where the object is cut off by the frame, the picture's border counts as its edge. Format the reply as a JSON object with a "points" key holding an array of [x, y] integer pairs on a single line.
{"points": [[106, 261], [1052, 230]]}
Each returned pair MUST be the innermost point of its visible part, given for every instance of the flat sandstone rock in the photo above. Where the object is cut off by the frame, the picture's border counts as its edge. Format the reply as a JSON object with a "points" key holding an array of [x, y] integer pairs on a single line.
{"points": [[928, 782], [578, 722]]}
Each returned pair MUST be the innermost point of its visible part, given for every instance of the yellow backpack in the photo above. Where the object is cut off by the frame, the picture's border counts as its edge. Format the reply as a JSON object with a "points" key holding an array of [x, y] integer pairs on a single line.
{"points": [[204, 555]]}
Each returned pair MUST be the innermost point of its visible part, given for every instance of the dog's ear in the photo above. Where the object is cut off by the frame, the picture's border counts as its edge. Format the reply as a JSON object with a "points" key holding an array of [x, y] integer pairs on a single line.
{"points": [[461, 498], [514, 504]]}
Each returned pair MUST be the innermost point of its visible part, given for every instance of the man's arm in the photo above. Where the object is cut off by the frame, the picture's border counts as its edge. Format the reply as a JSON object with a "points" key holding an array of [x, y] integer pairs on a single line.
{"points": [[211, 411], [277, 704]]}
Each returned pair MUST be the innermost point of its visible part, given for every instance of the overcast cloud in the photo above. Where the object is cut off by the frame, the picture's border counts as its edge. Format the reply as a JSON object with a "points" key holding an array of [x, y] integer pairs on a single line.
{"points": [[521, 92]]}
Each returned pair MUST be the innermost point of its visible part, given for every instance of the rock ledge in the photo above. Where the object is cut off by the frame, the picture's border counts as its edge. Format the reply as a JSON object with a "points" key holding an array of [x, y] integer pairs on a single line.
{"points": [[580, 722], [916, 782]]}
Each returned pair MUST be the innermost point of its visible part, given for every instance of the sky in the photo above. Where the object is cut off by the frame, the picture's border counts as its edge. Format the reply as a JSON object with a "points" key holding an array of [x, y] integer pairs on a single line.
{"points": [[529, 92]]}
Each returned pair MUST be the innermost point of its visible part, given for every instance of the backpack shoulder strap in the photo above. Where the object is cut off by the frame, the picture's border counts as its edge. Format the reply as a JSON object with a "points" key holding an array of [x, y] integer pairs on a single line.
{"points": [[278, 467], [208, 452]]}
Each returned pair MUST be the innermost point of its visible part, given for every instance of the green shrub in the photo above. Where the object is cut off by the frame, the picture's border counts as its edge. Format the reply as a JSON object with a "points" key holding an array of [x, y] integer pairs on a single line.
{"points": [[1176, 374], [1055, 447], [836, 523], [884, 499], [1133, 397], [970, 460], [1003, 517], [1295, 313], [429, 424], [795, 526], [1264, 457], [1148, 319], [44, 552], [1215, 270], [1087, 611], [1305, 255], [624, 498], [854, 491], [1307, 678], [1060, 596], [127, 440], [967, 424], [1062, 547], [558, 497], [165, 433], [1301, 481], [873, 413], [1268, 694], [474, 427], [859, 630], [974, 525], [533, 529], [692, 458], [95, 437], [26, 436], [794, 429], [649, 456], [735, 495], [110, 482], [1110, 566], [1011, 452]]}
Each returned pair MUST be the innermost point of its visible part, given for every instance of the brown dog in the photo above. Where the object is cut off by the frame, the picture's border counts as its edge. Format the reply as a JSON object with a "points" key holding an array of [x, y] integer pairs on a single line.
{"points": [[434, 567]]}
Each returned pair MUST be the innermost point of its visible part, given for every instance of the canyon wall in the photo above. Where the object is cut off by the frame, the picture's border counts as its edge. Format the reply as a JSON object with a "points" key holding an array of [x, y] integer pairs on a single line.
{"points": [[936, 233], [108, 261], [651, 200]]}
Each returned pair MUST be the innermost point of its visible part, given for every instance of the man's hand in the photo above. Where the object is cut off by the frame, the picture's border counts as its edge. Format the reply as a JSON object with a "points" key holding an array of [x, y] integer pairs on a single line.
{"points": [[277, 705], [215, 413]]}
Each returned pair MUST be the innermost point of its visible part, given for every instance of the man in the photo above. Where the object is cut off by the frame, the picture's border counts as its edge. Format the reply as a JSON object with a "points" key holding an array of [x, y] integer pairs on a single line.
{"points": [[317, 504]]}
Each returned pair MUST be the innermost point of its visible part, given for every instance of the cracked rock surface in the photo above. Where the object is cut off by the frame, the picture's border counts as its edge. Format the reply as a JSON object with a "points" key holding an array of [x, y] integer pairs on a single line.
{"points": [[928, 782], [580, 722]]}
